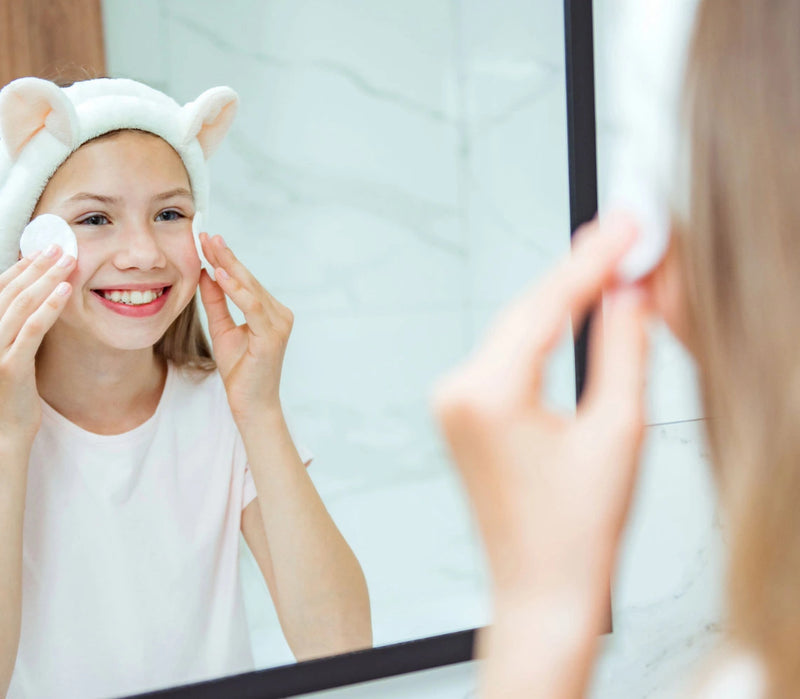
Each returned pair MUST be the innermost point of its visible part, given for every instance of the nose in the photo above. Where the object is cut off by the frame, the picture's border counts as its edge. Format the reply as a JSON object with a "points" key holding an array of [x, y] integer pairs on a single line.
{"points": [[139, 248]]}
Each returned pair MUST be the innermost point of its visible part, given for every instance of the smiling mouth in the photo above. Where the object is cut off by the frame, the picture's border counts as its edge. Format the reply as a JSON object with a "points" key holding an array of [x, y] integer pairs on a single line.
{"points": [[133, 297]]}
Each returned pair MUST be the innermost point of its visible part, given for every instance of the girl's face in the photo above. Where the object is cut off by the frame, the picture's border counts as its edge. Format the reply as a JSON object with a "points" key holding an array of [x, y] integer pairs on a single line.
{"points": [[128, 200]]}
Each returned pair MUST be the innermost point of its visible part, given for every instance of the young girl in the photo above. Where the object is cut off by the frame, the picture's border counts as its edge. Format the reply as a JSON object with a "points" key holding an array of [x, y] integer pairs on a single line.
{"points": [[552, 495], [131, 456]]}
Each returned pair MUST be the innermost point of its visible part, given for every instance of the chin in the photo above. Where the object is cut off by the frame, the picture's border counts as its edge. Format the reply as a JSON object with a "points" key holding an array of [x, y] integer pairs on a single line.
{"points": [[124, 337], [131, 344]]}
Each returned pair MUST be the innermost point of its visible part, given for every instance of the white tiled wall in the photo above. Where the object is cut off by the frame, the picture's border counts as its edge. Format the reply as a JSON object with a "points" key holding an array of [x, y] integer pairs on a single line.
{"points": [[396, 172]]}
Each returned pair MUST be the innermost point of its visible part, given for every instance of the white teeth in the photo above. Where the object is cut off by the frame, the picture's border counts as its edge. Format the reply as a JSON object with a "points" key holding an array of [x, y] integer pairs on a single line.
{"points": [[133, 298]]}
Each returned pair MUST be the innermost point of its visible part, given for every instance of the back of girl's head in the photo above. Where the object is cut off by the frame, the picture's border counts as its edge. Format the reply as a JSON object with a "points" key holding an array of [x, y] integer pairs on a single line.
{"points": [[740, 252]]}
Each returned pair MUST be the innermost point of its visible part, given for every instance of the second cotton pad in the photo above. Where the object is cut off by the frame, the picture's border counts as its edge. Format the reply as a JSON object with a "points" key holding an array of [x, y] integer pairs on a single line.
{"points": [[46, 230]]}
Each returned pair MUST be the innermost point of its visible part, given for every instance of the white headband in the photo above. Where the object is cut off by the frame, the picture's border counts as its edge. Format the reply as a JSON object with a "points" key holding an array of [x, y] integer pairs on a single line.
{"points": [[41, 125]]}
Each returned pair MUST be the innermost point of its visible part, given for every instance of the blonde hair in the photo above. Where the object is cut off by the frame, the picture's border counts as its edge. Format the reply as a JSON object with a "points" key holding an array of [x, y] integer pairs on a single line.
{"points": [[185, 343], [740, 254]]}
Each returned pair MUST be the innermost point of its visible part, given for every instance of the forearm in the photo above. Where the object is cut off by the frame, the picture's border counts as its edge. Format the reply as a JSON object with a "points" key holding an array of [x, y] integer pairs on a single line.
{"points": [[321, 594], [13, 485], [543, 648], [543, 639]]}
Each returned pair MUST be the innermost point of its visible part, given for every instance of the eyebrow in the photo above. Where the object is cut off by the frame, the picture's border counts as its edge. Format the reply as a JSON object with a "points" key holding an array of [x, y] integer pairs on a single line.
{"points": [[83, 196], [177, 192], [89, 196]]}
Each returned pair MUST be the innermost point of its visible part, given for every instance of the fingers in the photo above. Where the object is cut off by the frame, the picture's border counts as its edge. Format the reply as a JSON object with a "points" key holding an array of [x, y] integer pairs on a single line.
{"points": [[576, 283], [15, 270], [220, 255], [263, 313], [38, 323], [259, 314], [22, 275], [213, 297], [528, 330], [618, 365], [41, 279]]}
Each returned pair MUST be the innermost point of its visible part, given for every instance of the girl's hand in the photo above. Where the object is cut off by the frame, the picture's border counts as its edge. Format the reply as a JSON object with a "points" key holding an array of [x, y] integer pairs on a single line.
{"points": [[33, 293], [551, 492], [249, 356]]}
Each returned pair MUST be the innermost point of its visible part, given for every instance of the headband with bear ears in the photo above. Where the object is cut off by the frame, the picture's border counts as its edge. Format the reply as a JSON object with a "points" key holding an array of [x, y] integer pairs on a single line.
{"points": [[41, 125]]}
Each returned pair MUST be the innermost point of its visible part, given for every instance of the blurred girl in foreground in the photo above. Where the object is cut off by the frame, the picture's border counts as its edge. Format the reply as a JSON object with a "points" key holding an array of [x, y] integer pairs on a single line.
{"points": [[551, 494]]}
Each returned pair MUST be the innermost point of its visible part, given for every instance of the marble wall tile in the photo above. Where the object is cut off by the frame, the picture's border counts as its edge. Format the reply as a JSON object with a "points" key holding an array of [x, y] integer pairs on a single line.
{"points": [[136, 41], [667, 599], [342, 197], [673, 392], [514, 175], [402, 43], [674, 536]]}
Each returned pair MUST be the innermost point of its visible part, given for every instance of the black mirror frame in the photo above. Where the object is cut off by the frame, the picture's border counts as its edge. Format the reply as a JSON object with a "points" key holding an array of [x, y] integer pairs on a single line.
{"points": [[457, 647]]}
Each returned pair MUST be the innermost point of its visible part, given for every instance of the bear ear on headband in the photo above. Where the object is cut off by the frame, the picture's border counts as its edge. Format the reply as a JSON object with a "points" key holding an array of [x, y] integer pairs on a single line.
{"points": [[30, 105], [209, 117]]}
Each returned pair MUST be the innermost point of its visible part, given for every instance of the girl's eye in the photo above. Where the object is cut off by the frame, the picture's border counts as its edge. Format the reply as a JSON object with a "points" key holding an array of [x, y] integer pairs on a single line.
{"points": [[94, 220], [169, 215]]}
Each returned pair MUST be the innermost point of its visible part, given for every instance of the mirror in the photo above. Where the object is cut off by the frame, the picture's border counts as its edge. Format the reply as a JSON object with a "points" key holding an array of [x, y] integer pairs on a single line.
{"points": [[396, 173]]}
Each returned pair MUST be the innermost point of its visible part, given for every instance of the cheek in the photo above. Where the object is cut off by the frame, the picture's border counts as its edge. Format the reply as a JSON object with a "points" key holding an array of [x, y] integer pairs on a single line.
{"points": [[81, 275], [91, 257], [192, 262], [186, 259]]}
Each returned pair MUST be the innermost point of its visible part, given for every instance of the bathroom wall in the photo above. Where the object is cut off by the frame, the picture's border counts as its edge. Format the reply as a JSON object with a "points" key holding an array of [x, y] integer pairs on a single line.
{"points": [[397, 171]]}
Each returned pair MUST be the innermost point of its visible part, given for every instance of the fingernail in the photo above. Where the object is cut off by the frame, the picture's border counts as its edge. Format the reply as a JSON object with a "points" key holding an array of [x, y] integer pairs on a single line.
{"points": [[65, 261], [33, 255], [222, 274], [51, 250], [62, 289]]}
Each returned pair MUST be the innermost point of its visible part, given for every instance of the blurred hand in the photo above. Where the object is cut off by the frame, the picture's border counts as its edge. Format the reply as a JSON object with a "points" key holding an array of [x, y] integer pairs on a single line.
{"points": [[551, 492]]}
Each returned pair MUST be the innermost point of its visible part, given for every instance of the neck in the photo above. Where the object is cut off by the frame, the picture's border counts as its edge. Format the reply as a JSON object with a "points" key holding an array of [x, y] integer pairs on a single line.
{"points": [[102, 390]]}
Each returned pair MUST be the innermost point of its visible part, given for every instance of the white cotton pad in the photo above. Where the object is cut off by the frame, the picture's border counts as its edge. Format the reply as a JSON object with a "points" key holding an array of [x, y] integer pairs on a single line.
{"points": [[197, 228], [46, 230], [653, 218], [646, 62]]}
